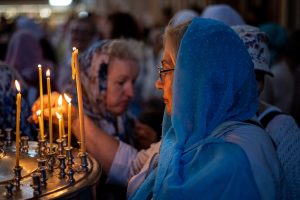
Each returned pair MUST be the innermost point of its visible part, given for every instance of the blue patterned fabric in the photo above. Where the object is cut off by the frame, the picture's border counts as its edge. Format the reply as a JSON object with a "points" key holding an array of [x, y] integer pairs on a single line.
{"points": [[8, 103], [213, 83]]}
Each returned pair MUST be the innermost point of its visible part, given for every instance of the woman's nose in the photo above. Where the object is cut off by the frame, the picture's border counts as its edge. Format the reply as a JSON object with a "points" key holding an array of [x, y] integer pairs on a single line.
{"points": [[130, 90], [158, 84]]}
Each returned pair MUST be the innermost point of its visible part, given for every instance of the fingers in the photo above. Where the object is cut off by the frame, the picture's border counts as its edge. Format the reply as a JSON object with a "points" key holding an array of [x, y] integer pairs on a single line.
{"points": [[54, 105]]}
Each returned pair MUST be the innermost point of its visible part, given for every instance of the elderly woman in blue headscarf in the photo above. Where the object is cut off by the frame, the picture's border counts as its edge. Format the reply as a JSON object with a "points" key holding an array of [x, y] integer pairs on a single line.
{"points": [[209, 148]]}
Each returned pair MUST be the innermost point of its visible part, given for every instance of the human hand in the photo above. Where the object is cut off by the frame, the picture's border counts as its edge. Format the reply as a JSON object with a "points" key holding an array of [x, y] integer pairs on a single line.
{"points": [[54, 107], [145, 135]]}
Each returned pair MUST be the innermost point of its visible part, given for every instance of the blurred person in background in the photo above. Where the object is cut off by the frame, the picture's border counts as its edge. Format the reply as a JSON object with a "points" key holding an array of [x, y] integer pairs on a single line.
{"points": [[23, 22], [283, 129], [279, 90], [224, 13], [6, 30], [24, 54], [81, 34]]}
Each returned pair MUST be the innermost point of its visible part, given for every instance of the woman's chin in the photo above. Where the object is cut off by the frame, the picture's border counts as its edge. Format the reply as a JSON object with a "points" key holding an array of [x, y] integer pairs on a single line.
{"points": [[168, 109]]}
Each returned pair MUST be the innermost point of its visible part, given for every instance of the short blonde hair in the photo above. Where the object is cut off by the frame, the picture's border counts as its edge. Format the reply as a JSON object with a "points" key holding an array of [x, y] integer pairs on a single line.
{"points": [[174, 34]]}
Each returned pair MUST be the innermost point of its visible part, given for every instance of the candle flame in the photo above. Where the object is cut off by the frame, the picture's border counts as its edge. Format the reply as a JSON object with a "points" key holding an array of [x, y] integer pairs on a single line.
{"points": [[58, 115], [39, 65], [67, 98], [38, 113], [59, 100], [17, 85], [74, 48], [48, 73]]}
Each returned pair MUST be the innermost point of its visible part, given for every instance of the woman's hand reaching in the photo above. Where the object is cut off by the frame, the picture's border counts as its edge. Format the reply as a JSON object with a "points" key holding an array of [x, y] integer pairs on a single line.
{"points": [[54, 108]]}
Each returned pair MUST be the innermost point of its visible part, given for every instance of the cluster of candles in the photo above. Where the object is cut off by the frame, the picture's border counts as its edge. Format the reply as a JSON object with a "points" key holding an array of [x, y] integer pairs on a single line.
{"points": [[59, 114]]}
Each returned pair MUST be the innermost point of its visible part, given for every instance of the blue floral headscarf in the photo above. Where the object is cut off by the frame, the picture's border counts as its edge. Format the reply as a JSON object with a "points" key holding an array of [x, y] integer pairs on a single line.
{"points": [[213, 83], [8, 103]]}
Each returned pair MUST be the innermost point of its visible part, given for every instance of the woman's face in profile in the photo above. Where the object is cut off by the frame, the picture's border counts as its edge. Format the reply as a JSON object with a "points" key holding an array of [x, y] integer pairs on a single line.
{"points": [[168, 62], [121, 77]]}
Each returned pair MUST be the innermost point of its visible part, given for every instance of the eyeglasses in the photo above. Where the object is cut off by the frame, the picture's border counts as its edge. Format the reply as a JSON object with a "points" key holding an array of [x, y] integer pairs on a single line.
{"points": [[162, 73]]}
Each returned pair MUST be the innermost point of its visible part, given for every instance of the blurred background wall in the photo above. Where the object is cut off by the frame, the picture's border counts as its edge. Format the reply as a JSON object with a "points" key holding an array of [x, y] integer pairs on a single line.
{"points": [[285, 12]]}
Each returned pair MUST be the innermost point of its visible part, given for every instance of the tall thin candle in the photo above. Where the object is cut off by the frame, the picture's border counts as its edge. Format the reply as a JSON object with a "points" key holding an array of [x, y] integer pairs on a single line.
{"points": [[60, 110], [59, 125], [38, 113], [41, 100], [76, 73], [50, 110], [68, 99], [18, 112]]}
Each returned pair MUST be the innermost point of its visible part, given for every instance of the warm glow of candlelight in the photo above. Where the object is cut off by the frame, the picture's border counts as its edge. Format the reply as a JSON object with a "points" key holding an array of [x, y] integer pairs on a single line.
{"points": [[48, 73], [59, 102], [68, 99], [60, 109], [38, 113], [17, 86], [59, 117]]}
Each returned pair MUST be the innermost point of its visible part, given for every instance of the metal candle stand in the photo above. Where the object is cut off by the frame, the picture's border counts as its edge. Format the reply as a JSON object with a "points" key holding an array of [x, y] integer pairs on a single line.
{"points": [[60, 146], [24, 144], [54, 166], [9, 139], [42, 170], [70, 158], [51, 159], [42, 148], [84, 163], [18, 176]]}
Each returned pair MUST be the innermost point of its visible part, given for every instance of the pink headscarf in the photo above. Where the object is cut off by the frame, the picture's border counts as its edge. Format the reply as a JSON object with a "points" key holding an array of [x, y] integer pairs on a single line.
{"points": [[24, 53]]}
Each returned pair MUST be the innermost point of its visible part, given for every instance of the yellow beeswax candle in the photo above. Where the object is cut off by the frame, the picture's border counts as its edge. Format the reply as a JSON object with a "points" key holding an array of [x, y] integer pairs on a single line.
{"points": [[59, 125], [76, 73], [18, 112], [38, 113], [50, 110], [68, 99], [41, 100], [60, 110]]}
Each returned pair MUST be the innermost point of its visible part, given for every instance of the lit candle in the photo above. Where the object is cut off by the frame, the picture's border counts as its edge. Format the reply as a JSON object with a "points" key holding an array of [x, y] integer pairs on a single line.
{"points": [[38, 113], [59, 125], [68, 99], [49, 109], [76, 73], [41, 100], [60, 110], [18, 111]]}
